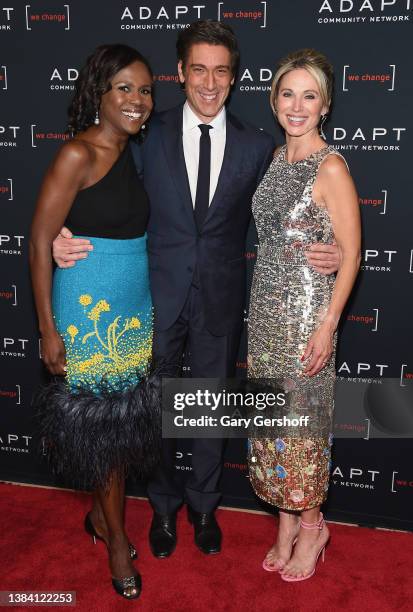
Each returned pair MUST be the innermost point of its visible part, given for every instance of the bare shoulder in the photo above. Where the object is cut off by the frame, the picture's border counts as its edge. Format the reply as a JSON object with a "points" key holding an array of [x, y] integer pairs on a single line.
{"points": [[73, 161], [333, 167], [334, 183], [75, 153]]}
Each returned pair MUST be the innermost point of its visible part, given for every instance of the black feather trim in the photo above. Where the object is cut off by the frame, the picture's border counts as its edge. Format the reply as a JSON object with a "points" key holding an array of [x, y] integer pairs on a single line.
{"points": [[90, 436]]}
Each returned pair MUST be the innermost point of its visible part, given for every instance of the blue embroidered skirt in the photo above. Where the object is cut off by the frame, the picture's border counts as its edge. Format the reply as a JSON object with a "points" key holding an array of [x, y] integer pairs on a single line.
{"points": [[105, 417]]}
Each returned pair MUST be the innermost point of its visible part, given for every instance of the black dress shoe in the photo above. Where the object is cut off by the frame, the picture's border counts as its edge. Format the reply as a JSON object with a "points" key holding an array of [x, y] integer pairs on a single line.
{"points": [[162, 534], [207, 533]]}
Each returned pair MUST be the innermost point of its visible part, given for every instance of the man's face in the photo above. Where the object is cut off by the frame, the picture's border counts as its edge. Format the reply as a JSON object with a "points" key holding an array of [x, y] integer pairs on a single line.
{"points": [[208, 79]]}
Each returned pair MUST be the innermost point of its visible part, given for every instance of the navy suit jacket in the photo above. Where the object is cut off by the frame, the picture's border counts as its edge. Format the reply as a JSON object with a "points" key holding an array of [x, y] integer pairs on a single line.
{"points": [[175, 246]]}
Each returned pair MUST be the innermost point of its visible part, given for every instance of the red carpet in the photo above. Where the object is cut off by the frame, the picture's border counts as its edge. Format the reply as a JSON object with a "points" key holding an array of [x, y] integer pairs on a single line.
{"points": [[44, 548]]}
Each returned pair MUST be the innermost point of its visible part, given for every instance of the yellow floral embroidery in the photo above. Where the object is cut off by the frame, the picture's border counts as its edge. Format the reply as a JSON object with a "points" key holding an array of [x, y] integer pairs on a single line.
{"points": [[125, 356], [88, 363], [98, 308], [72, 330], [85, 299]]}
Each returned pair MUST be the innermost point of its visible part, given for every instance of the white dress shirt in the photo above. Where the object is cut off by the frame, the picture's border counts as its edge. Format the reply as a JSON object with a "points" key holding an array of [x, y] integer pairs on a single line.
{"points": [[190, 139]]}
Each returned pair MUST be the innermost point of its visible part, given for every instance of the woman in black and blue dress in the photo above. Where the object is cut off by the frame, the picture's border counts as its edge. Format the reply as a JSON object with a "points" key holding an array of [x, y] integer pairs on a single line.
{"points": [[95, 319]]}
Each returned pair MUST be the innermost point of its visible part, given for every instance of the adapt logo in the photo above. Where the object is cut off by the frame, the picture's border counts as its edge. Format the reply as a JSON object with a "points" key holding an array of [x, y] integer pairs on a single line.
{"points": [[376, 139], [15, 443], [378, 203], [161, 17], [356, 372], [40, 135], [35, 17], [384, 78], [379, 260], [355, 477], [11, 245], [3, 78], [255, 80], [6, 17], [63, 79], [363, 11], [6, 189], [232, 12], [13, 347], [8, 135], [376, 260]]}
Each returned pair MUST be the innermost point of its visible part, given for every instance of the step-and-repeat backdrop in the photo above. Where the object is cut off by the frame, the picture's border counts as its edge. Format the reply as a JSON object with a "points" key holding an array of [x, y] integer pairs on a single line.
{"points": [[44, 43]]}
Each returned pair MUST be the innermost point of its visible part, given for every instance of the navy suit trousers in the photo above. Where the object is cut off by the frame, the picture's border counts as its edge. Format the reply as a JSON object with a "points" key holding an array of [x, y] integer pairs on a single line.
{"points": [[209, 356]]}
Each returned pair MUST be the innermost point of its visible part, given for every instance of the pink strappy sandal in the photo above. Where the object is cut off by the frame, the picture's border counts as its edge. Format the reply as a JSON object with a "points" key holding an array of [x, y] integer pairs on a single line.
{"points": [[318, 525], [274, 568]]}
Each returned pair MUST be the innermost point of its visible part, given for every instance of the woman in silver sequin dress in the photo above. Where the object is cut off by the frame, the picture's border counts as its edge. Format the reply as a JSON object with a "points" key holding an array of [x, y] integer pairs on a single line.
{"points": [[307, 196]]}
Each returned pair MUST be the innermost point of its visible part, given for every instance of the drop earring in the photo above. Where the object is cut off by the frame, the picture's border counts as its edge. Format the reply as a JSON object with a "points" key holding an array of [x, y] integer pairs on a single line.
{"points": [[96, 120], [323, 120]]}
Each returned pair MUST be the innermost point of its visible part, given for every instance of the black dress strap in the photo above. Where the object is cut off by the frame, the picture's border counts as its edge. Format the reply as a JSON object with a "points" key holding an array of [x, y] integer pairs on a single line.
{"points": [[114, 207]]}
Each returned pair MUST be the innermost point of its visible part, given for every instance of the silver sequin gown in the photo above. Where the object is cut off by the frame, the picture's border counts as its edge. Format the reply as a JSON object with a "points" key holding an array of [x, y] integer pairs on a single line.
{"points": [[288, 299]]}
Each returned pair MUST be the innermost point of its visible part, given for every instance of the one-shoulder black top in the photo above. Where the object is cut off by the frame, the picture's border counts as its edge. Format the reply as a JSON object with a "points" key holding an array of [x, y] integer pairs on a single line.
{"points": [[115, 207]]}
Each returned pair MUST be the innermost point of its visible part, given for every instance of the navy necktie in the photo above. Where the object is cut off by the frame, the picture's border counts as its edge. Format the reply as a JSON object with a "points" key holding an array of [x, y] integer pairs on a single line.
{"points": [[204, 171]]}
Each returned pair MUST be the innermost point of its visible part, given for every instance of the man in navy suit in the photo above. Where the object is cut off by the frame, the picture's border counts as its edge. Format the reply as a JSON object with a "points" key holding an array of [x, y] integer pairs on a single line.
{"points": [[197, 261], [201, 166]]}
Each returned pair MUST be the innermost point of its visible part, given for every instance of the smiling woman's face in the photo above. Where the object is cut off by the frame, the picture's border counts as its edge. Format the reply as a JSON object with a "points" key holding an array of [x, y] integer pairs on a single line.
{"points": [[129, 103], [299, 103]]}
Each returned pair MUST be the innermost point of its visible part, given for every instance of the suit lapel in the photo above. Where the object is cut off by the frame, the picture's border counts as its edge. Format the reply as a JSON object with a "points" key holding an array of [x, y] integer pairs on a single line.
{"points": [[232, 157], [174, 151]]}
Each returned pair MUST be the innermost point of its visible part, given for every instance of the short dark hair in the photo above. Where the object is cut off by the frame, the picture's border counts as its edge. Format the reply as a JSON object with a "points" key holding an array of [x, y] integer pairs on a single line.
{"points": [[94, 81], [212, 33]]}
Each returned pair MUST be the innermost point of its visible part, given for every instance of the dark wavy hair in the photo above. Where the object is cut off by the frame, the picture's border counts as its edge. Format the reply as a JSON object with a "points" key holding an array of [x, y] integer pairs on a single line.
{"points": [[94, 81], [212, 33]]}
